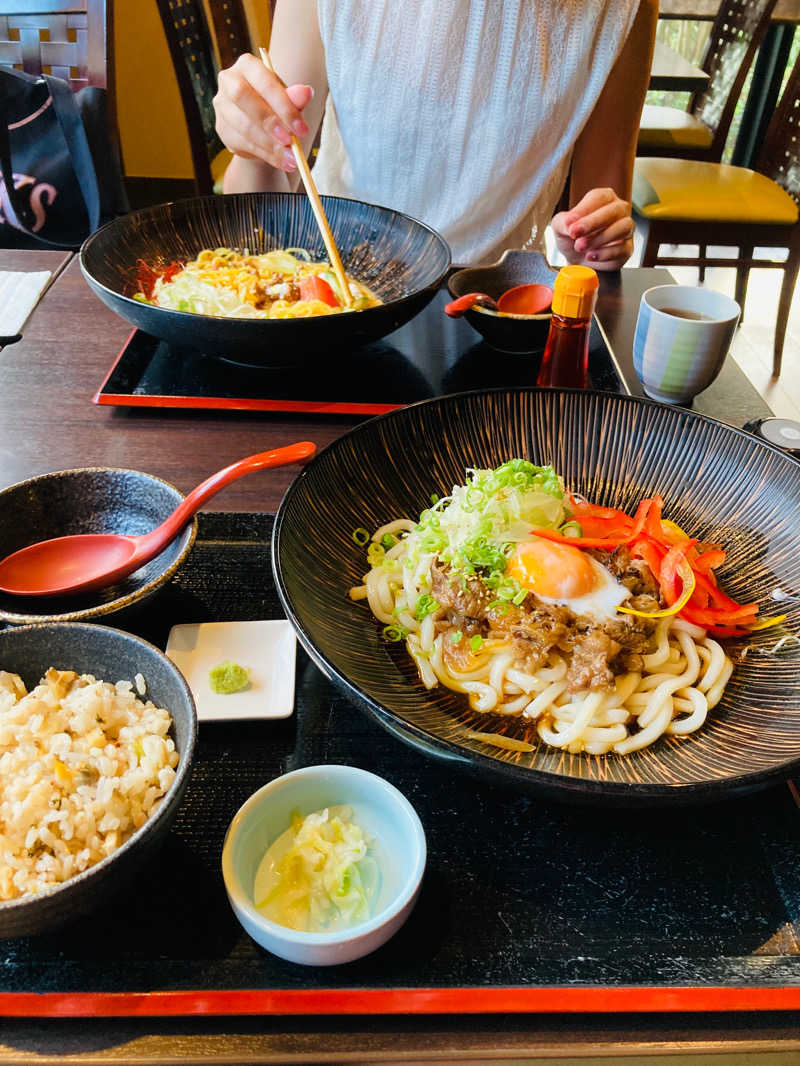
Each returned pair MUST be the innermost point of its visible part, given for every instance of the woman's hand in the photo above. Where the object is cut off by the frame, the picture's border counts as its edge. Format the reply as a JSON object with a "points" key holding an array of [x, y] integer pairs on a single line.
{"points": [[256, 116], [597, 231]]}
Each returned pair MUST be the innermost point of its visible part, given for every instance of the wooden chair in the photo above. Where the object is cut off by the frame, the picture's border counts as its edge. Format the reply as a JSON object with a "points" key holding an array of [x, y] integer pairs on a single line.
{"points": [[70, 39], [197, 55], [701, 132], [679, 201]]}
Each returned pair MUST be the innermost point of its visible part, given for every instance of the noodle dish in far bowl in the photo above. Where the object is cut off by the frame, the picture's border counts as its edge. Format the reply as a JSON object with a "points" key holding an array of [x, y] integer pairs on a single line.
{"points": [[583, 594], [245, 277]]}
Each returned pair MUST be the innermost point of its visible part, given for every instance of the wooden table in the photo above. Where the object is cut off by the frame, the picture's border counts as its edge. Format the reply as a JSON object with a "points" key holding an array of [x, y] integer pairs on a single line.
{"points": [[21, 259], [47, 422], [671, 72]]}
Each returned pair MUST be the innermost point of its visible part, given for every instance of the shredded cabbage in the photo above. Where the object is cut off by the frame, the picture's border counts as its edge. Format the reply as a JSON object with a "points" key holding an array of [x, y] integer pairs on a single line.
{"points": [[476, 527], [317, 876], [230, 284]]}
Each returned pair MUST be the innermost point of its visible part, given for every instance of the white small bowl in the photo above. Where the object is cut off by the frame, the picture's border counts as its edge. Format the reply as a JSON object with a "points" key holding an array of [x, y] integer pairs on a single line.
{"points": [[383, 813]]}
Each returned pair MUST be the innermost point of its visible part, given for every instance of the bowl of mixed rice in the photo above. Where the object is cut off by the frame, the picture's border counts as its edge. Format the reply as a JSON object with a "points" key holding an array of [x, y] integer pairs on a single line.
{"points": [[97, 732]]}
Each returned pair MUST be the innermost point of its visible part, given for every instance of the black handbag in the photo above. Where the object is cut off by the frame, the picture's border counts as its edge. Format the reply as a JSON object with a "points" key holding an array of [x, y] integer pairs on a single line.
{"points": [[61, 174]]}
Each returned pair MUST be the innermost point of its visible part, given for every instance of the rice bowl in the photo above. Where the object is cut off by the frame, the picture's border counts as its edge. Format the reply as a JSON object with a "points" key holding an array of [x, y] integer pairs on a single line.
{"points": [[83, 764], [103, 652]]}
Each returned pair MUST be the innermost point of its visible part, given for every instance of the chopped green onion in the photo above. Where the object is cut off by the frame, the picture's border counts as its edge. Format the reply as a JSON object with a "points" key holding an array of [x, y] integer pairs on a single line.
{"points": [[361, 537], [375, 554], [519, 598], [395, 633], [571, 529], [426, 605], [388, 540], [434, 498], [140, 296], [476, 643], [499, 605], [457, 637]]}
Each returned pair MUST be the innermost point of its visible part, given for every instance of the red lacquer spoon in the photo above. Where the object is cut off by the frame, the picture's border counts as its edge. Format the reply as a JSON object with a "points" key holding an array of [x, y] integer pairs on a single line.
{"points": [[456, 308], [94, 560], [525, 300], [521, 300]]}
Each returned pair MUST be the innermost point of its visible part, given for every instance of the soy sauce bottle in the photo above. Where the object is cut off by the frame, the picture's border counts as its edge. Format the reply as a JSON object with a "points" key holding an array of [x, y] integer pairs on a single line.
{"points": [[565, 363]]}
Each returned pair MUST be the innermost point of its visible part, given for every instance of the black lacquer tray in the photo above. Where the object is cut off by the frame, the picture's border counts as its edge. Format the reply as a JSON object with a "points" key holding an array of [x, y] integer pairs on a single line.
{"points": [[431, 356], [526, 905]]}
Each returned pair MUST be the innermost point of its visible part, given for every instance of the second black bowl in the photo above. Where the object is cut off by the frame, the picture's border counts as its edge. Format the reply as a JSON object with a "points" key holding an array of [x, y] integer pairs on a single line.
{"points": [[95, 499], [402, 260], [518, 334]]}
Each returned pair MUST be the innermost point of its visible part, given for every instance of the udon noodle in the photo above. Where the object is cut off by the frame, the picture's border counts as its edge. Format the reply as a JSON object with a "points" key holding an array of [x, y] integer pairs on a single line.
{"points": [[591, 678], [230, 284]]}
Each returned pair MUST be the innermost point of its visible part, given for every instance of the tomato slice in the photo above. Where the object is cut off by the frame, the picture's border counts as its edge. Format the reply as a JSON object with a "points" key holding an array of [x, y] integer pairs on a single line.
{"points": [[314, 287]]}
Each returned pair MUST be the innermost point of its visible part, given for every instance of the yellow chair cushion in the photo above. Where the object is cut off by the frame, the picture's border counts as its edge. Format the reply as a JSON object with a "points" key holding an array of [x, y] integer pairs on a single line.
{"points": [[683, 189], [669, 127]]}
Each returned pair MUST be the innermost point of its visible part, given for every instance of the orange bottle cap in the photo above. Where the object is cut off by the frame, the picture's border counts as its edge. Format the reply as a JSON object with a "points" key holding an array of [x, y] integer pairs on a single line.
{"points": [[575, 292]]}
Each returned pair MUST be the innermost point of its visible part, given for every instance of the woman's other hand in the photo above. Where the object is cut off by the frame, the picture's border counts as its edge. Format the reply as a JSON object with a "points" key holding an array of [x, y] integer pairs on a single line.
{"points": [[256, 116], [597, 231]]}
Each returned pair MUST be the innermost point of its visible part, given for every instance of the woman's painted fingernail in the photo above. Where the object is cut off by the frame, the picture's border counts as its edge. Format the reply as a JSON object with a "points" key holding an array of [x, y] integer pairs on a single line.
{"points": [[300, 128], [289, 161], [282, 135]]}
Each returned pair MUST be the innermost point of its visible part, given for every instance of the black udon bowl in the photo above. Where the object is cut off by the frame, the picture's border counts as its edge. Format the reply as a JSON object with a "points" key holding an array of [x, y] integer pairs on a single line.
{"points": [[403, 261], [90, 500], [110, 655], [719, 483]]}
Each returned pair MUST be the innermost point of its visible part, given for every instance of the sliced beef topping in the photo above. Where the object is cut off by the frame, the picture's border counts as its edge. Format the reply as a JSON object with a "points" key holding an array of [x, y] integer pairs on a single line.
{"points": [[535, 628], [634, 574], [462, 595], [595, 650], [590, 654]]}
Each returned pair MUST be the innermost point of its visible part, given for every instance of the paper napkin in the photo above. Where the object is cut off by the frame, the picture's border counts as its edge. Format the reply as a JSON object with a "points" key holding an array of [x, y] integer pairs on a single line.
{"points": [[19, 294]]}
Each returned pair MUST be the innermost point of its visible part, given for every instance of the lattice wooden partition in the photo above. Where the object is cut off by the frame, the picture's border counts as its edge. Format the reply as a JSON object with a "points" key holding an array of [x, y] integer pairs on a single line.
{"points": [[66, 38]]}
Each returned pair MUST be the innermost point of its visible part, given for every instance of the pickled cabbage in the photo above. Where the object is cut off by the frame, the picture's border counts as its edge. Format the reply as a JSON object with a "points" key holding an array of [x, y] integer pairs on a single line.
{"points": [[318, 876]]}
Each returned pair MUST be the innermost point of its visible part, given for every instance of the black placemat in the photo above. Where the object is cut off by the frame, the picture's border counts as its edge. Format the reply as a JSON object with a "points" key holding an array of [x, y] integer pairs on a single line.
{"points": [[431, 356], [518, 892]]}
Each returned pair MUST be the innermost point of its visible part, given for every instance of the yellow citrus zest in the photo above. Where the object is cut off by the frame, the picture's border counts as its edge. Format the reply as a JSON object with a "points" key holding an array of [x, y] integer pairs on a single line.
{"points": [[767, 623]]}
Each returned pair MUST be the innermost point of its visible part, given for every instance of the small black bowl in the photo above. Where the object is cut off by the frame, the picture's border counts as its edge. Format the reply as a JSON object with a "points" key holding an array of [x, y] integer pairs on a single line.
{"points": [[89, 500], [520, 334], [110, 655], [402, 260]]}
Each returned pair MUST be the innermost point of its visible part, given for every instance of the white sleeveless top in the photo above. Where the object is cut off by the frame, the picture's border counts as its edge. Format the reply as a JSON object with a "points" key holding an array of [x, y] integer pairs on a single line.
{"points": [[463, 113]]}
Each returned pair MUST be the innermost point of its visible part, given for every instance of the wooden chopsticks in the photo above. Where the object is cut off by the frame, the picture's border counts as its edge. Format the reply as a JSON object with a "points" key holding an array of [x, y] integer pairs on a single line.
{"points": [[316, 203]]}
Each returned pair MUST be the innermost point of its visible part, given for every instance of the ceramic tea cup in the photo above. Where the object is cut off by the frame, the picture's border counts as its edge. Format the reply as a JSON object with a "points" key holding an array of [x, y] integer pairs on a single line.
{"points": [[683, 334]]}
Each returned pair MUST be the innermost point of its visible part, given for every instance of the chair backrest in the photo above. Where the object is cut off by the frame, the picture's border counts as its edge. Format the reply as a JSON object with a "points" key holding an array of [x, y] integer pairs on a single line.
{"points": [[780, 154], [197, 55], [739, 28]]}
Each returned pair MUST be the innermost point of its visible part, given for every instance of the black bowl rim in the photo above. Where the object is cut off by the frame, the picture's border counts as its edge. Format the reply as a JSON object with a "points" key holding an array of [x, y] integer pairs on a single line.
{"points": [[434, 283], [13, 906], [544, 779], [111, 606]]}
